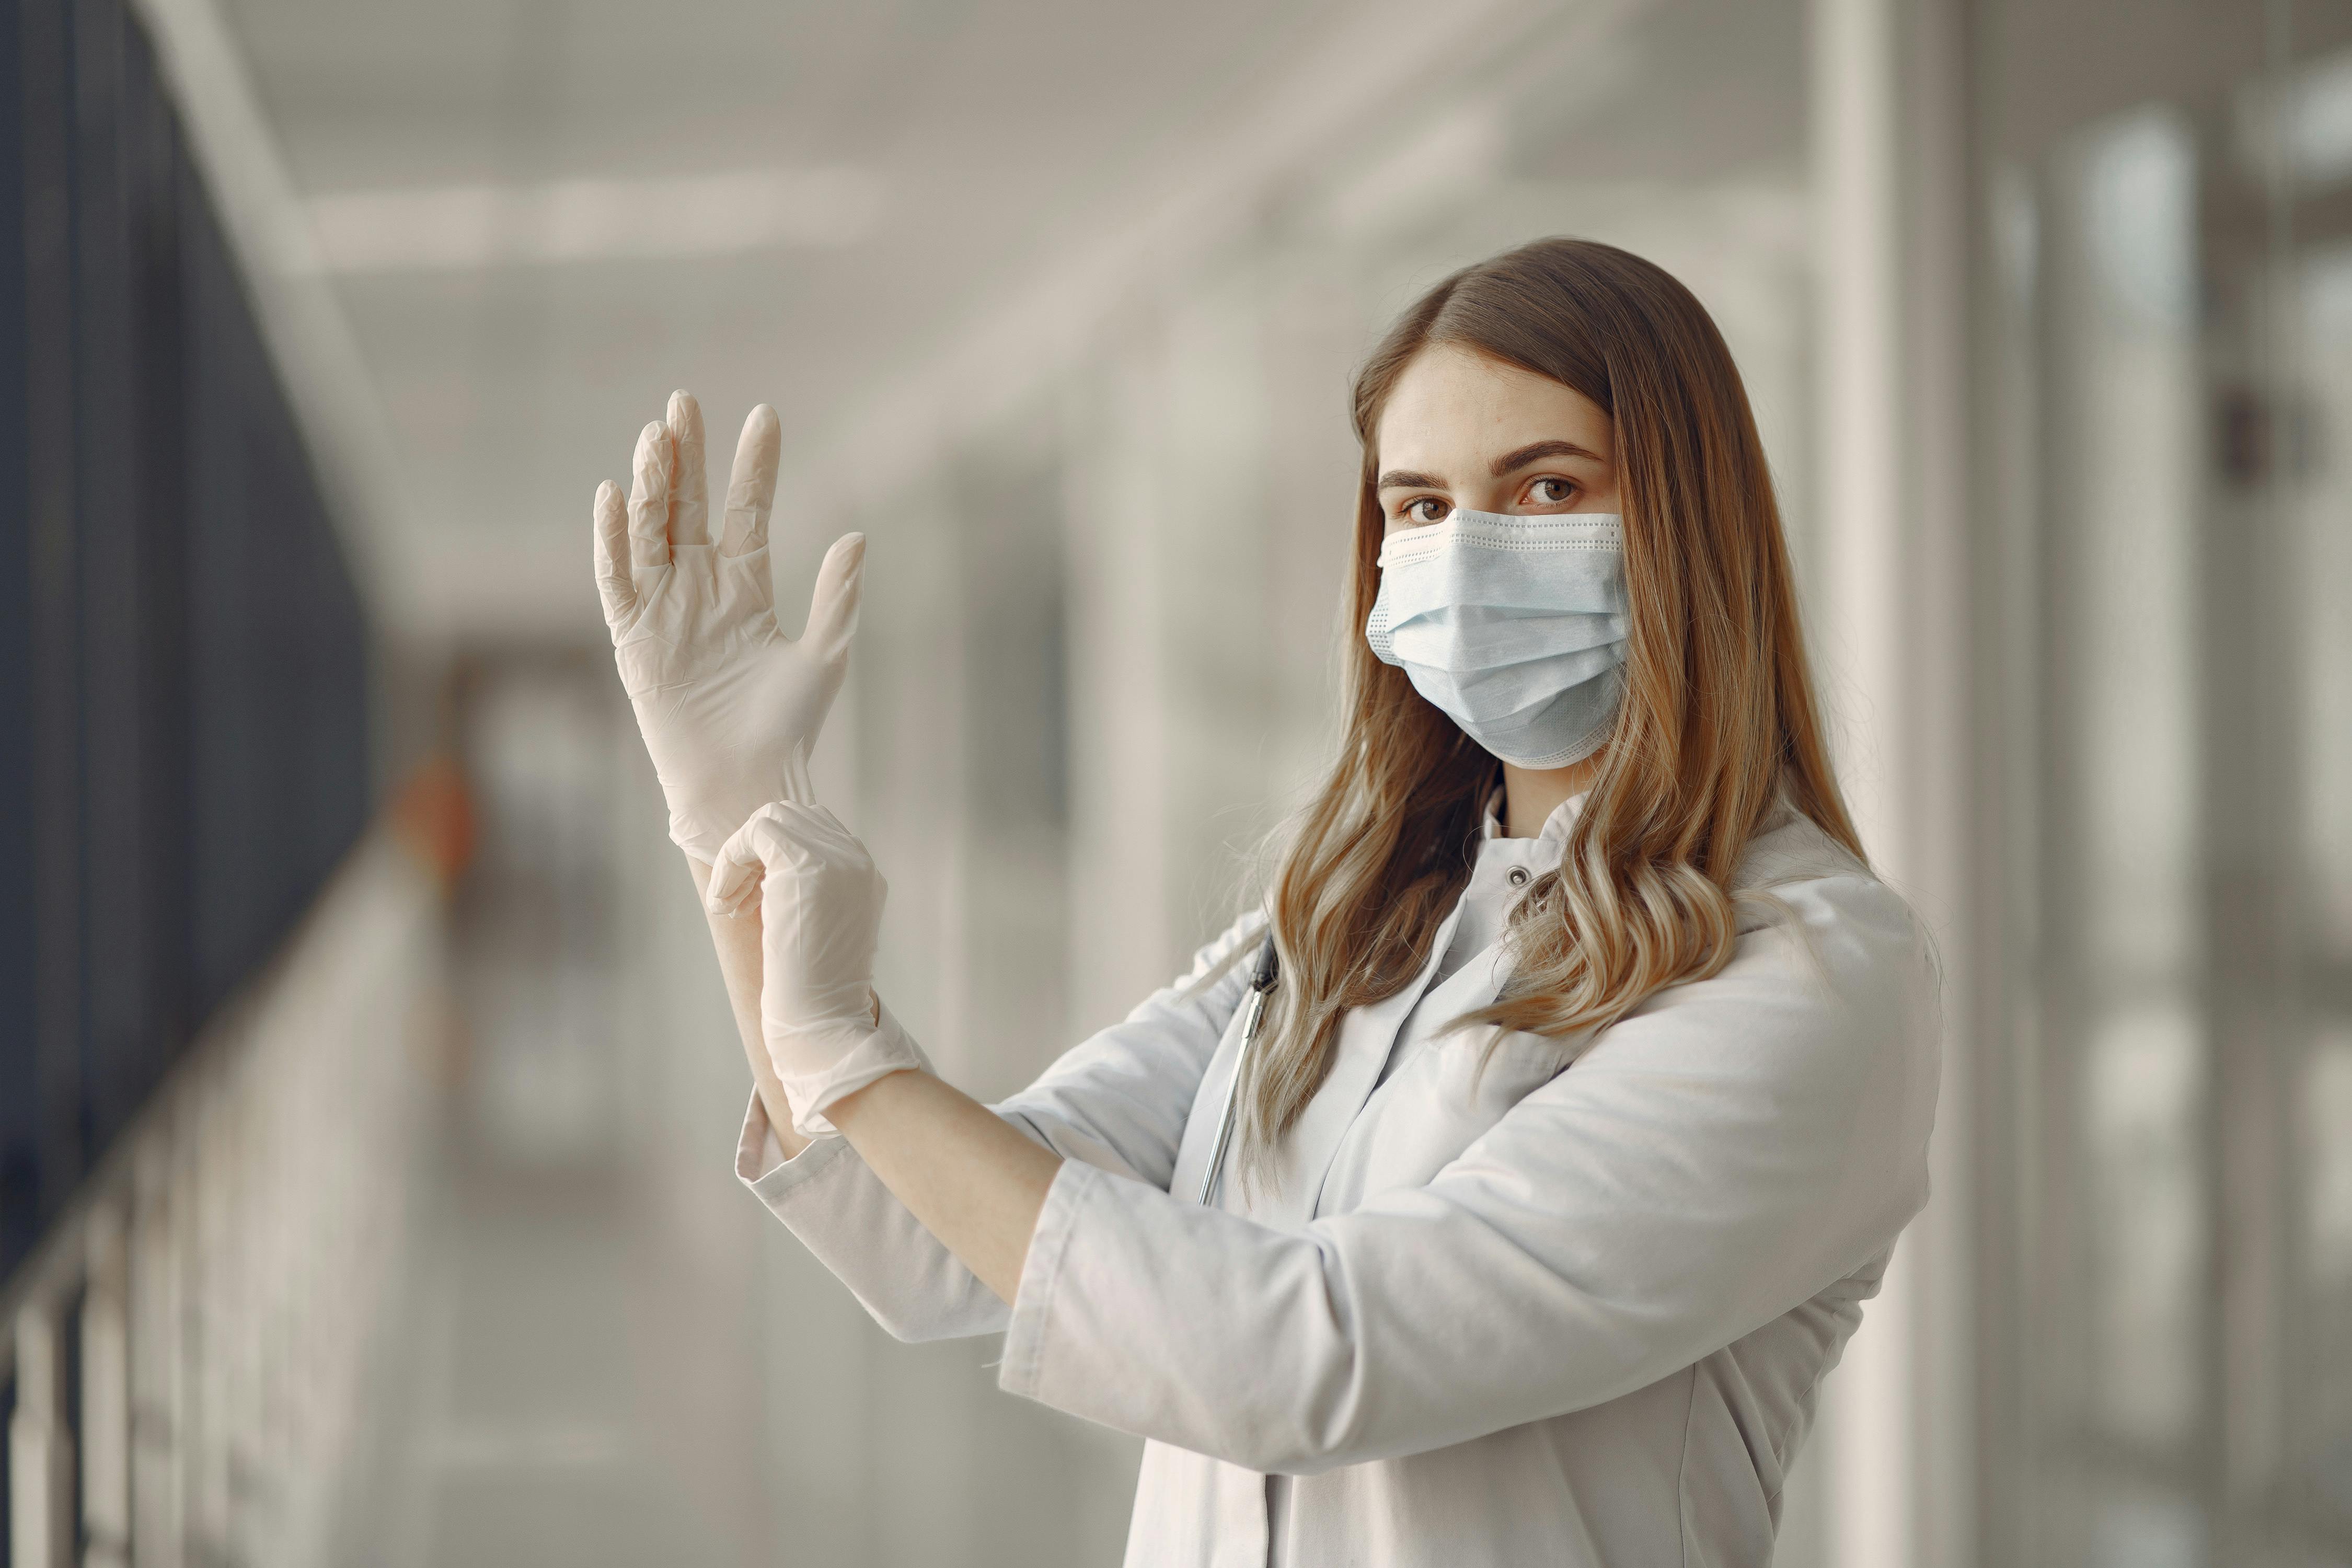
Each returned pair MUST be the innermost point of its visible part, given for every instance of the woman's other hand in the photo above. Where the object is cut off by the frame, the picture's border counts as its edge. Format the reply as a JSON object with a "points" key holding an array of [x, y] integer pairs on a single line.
{"points": [[723, 697], [819, 904]]}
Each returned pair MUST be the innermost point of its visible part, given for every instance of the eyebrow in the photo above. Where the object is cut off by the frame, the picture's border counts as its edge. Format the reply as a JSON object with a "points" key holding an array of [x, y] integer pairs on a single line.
{"points": [[1509, 462]]}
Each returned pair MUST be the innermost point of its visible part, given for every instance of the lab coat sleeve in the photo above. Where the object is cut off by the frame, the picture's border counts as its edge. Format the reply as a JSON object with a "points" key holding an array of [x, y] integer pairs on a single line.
{"points": [[1733, 1148], [1117, 1103], [838, 1207]]}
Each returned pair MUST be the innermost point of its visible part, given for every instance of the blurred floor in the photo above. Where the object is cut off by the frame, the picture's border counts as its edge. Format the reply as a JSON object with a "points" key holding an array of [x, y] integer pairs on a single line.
{"points": [[538, 1414]]}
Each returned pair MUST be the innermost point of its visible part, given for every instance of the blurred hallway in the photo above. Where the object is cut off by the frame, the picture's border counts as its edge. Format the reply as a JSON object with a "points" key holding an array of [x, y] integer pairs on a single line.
{"points": [[564, 1381], [603, 1353]]}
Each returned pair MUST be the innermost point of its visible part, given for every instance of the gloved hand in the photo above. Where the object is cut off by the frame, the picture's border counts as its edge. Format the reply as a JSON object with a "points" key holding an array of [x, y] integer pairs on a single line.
{"points": [[722, 696], [820, 903]]}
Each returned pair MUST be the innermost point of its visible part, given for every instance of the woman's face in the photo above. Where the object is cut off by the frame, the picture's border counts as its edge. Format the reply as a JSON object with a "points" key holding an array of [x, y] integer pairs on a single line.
{"points": [[1463, 430]]}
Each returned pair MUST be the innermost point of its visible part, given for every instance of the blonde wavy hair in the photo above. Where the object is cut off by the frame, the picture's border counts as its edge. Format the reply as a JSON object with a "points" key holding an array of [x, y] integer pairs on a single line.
{"points": [[1718, 720]]}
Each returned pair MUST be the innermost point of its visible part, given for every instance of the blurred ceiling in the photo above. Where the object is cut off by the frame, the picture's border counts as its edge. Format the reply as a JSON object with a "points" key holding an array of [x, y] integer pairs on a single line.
{"points": [[536, 218], [963, 139]]}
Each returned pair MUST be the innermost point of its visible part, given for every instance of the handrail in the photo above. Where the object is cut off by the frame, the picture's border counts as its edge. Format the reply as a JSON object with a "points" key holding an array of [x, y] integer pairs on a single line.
{"points": [[209, 1291]]}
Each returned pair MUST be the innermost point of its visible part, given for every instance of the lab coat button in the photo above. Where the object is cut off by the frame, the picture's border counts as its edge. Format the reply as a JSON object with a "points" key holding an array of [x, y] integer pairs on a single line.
{"points": [[1518, 876]]}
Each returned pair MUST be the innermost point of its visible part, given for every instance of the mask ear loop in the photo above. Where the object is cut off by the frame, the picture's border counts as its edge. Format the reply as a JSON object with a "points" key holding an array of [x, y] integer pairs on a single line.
{"points": [[1262, 984]]}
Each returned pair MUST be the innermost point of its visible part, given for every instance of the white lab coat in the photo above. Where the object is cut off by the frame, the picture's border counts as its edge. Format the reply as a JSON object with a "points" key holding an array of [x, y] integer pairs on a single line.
{"points": [[1573, 1310]]}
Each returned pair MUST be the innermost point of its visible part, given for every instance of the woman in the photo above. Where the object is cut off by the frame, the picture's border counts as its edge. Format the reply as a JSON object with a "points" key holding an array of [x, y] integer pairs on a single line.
{"points": [[1593, 1071]]}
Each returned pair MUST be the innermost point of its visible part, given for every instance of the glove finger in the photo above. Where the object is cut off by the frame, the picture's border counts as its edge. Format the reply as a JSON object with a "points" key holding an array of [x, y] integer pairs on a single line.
{"points": [[613, 557], [649, 487], [832, 608], [736, 874], [689, 522], [751, 485]]}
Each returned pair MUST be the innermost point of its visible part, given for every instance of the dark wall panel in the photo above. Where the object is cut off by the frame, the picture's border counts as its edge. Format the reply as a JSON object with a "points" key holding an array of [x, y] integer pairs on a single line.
{"points": [[183, 654], [19, 1106]]}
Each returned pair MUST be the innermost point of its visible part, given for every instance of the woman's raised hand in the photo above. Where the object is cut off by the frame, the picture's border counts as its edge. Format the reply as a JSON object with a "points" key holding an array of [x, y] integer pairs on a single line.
{"points": [[725, 701]]}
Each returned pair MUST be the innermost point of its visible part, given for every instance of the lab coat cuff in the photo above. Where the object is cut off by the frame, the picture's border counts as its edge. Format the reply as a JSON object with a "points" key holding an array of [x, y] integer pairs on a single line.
{"points": [[887, 1049], [758, 1158], [1022, 1370]]}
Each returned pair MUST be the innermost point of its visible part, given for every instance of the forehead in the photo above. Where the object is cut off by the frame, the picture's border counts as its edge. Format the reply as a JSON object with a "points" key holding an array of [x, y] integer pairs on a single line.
{"points": [[1453, 401]]}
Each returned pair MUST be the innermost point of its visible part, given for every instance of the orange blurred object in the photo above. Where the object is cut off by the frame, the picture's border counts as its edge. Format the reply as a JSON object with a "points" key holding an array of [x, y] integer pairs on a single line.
{"points": [[432, 815]]}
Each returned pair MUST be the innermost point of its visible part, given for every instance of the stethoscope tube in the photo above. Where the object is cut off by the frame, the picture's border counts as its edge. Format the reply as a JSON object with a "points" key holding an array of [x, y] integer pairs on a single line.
{"points": [[1262, 984]]}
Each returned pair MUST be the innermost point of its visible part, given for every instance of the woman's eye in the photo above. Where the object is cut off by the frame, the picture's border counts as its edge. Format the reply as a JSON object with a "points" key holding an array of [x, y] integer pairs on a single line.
{"points": [[1427, 509], [1552, 491]]}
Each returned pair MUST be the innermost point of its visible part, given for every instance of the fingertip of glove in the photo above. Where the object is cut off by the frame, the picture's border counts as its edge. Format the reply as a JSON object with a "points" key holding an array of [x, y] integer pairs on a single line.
{"points": [[845, 564], [724, 893]]}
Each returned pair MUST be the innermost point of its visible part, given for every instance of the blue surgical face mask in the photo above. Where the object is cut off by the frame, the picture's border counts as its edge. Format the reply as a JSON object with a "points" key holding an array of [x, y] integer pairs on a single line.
{"points": [[1515, 627]]}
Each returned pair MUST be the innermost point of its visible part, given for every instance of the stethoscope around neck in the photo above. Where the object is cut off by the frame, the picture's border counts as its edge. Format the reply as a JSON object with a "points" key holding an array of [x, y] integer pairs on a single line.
{"points": [[1262, 984]]}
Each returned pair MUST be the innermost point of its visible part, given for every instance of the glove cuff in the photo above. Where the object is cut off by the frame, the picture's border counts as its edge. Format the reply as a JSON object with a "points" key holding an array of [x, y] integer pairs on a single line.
{"points": [[886, 1048]]}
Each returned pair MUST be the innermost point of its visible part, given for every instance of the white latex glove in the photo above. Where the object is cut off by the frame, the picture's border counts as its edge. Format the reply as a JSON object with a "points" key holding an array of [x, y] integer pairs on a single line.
{"points": [[820, 900], [722, 696]]}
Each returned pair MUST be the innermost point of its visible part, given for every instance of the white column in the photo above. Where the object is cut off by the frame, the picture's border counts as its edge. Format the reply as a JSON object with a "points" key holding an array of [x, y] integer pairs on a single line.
{"points": [[40, 1446], [1121, 749], [106, 1390], [1890, 622]]}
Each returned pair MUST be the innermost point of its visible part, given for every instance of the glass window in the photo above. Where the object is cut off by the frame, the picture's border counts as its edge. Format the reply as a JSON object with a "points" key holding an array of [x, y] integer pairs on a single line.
{"points": [[2167, 385]]}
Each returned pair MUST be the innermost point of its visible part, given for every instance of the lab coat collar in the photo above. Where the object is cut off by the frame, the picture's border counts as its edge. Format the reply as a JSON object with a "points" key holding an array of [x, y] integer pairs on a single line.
{"points": [[1554, 830], [1474, 985], [1367, 1035], [1788, 846]]}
